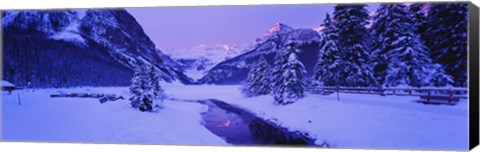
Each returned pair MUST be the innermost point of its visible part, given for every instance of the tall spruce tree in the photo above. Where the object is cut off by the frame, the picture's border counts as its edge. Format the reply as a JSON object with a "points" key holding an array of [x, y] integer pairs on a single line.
{"points": [[288, 82], [326, 70], [382, 32], [447, 33], [141, 90], [355, 69], [157, 90], [419, 19], [401, 57], [145, 89], [258, 80]]}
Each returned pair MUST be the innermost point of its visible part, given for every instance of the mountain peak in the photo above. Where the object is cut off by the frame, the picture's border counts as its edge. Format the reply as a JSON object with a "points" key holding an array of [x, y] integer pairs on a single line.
{"points": [[278, 28], [319, 29]]}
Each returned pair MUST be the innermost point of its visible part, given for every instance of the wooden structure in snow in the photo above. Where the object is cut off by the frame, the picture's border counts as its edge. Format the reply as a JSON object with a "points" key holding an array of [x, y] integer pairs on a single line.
{"points": [[428, 95], [7, 86], [103, 97]]}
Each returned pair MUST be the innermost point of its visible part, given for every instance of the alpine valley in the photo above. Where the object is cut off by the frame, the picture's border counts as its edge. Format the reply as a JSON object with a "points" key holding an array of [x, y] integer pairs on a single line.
{"points": [[86, 47]]}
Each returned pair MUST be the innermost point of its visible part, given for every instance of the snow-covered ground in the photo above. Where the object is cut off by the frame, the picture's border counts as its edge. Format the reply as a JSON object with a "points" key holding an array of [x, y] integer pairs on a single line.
{"points": [[356, 121], [45, 119]]}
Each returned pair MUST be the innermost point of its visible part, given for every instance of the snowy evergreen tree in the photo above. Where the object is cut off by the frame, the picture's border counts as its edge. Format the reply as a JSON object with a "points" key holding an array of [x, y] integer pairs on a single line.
{"points": [[401, 57], [288, 76], [141, 91], [158, 92], [258, 81], [419, 19], [355, 69], [382, 31], [146, 89], [326, 70], [447, 38], [409, 66]]}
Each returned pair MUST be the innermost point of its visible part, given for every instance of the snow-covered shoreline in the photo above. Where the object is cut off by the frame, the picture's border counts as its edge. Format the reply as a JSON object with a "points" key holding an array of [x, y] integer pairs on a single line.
{"points": [[357, 121]]}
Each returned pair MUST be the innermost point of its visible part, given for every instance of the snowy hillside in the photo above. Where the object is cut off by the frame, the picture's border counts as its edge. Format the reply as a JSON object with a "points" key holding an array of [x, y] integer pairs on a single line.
{"points": [[60, 25], [168, 61]]}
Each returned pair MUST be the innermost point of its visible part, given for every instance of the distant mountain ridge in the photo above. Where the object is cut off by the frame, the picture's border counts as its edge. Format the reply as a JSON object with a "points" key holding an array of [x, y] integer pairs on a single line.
{"points": [[235, 70], [195, 61]]}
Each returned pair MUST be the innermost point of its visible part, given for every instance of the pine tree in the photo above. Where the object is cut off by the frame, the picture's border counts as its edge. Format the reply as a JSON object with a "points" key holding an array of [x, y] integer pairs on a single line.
{"points": [[419, 18], [141, 91], [157, 90], [146, 89], [355, 69], [327, 67], [409, 66], [288, 76], [401, 57], [379, 43], [258, 82], [447, 33]]}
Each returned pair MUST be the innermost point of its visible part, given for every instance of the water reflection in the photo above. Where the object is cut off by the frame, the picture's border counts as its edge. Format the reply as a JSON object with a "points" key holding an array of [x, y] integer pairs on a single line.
{"points": [[240, 127]]}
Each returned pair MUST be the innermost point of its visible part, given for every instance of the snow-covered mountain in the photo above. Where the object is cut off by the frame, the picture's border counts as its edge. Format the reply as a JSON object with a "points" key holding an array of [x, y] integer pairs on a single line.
{"points": [[195, 61], [80, 47], [168, 61], [235, 70]]}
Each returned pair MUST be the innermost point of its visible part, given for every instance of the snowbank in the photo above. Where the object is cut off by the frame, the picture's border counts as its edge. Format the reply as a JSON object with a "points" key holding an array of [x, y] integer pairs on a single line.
{"points": [[356, 121], [7, 84], [45, 119]]}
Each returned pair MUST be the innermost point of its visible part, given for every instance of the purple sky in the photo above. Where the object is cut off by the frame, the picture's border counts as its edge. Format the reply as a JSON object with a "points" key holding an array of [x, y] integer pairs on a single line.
{"points": [[181, 27]]}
